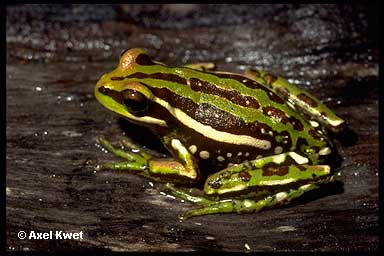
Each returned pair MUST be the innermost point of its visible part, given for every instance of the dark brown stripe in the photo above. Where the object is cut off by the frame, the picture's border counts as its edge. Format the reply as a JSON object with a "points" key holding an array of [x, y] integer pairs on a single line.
{"points": [[252, 84], [211, 115], [144, 59], [154, 109], [242, 79], [280, 116], [115, 95], [307, 100], [160, 76], [231, 95], [117, 78]]}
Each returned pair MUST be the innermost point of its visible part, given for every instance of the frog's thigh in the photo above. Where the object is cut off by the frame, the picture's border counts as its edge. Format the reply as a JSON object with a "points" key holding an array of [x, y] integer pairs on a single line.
{"points": [[298, 99], [203, 66], [247, 205], [276, 170]]}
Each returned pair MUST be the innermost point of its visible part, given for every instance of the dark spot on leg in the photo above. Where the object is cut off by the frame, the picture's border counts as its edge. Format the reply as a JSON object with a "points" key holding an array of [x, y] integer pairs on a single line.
{"points": [[244, 176], [301, 168], [283, 92], [216, 183], [314, 134], [275, 170], [311, 102]]}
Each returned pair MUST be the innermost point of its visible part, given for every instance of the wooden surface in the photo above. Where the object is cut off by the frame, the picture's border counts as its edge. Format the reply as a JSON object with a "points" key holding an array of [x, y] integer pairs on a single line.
{"points": [[55, 55]]}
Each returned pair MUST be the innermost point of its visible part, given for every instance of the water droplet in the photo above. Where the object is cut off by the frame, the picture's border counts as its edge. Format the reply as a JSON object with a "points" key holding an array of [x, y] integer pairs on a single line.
{"points": [[38, 89]]}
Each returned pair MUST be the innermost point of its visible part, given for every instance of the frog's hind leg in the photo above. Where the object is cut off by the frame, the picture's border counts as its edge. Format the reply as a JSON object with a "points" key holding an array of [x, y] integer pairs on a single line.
{"points": [[299, 99], [287, 174], [248, 205]]}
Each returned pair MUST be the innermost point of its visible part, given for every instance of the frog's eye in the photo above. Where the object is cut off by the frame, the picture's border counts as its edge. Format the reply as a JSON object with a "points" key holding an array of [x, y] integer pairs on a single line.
{"points": [[135, 102], [123, 51]]}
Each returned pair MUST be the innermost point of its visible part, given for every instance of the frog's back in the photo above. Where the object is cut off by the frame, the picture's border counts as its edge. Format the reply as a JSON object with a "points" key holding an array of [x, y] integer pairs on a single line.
{"points": [[222, 117]]}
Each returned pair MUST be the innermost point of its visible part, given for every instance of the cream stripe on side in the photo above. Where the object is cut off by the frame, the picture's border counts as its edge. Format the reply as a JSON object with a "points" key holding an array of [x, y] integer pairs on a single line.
{"points": [[149, 120], [210, 132]]}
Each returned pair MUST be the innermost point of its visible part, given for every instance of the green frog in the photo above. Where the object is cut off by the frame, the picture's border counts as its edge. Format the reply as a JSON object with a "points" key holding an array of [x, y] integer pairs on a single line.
{"points": [[257, 140]]}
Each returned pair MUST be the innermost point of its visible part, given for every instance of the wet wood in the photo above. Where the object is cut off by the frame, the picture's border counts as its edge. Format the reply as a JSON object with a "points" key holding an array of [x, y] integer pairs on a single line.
{"points": [[55, 55]]}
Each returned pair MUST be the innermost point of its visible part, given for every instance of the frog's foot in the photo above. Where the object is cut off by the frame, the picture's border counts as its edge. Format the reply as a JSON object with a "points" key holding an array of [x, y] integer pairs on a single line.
{"points": [[302, 101], [137, 159], [203, 66], [144, 163]]}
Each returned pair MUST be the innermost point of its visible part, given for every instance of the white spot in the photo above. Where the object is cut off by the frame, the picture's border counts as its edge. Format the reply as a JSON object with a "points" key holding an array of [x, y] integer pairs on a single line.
{"points": [[246, 154], [176, 145], [204, 154], [290, 105], [220, 158], [247, 203], [262, 130], [281, 196], [335, 122], [247, 247], [278, 150], [247, 102], [245, 80], [270, 133], [298, 158], [206, 130], [240, 153], [314, 123], [259, 156], [229, 154], [325, 151], [192, 149], [306, 187]]}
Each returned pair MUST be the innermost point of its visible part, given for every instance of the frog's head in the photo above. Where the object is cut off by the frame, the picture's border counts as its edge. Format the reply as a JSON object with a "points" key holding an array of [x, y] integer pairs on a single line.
{"points": [[125, 96]]}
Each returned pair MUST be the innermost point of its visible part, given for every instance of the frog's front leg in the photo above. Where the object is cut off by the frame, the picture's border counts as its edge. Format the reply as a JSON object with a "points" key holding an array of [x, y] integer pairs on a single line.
{"points": [[159, 169], [299, 99], [258, 178]]}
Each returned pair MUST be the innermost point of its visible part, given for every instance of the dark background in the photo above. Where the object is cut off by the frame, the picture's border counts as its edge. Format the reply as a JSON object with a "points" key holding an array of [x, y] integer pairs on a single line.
{"points": [[55, 55]]}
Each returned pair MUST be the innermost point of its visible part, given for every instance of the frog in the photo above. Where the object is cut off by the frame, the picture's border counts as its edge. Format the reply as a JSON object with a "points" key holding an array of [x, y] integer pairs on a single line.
{"points": [[254, 141]]}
